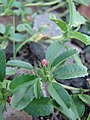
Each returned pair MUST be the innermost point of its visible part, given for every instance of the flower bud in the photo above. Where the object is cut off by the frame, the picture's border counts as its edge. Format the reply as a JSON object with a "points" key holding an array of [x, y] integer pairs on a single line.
{"points": [[9, 99], [44, 62]]}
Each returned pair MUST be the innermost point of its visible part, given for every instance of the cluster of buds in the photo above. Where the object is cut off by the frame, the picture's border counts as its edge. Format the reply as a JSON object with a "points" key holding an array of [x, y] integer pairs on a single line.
{"points": [[44, 62]]}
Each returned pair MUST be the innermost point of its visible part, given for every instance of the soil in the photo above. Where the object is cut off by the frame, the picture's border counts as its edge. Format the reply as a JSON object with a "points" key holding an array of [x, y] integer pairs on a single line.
{"points": [[11, 114]]}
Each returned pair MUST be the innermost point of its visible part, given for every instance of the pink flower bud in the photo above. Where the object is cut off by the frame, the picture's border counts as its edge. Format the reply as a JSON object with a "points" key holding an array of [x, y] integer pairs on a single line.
{"points": [[9, 99], [44, 62]]}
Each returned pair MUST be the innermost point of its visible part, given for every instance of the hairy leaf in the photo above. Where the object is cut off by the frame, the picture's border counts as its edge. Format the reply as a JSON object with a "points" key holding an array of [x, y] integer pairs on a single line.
{"points": [[60, 23], [19, 63], [40, 107], [10, 71], [70, 71], [22, 97], [62, 100], [79, 105], [75, 18], [53, 51], [59, 94], [82, 37], [85, 98], [22, 81], [63, 57]]}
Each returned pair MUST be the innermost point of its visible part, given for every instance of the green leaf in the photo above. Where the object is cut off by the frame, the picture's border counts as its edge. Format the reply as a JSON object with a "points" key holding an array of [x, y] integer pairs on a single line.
{"points": [[23, 91], [17, 37], [77, 58], [80, 107], [37, 89], [19, 63], [67, 112], [5, 2], [20, 28], [25, 27], [2, 29], [75, 18], [82, 37], [2, 65], [84, 2], [17, 4], [22, 97], [60, 23], [53, 51], [10, 71], [1, 111], [62, 100], [22, 81], [4, 44], [59, 94], [63, 57], [40, 107], [9, 30], [85, 98], [88, 117], [6, 83], [70, 71]]}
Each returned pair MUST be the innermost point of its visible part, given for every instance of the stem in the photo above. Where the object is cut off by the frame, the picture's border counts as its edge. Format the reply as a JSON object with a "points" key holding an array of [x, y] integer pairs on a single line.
{"points": [[56, 7], [26, 41], [71, 12], [14, 24], [60, 37], [73, 88], [42, 3]]}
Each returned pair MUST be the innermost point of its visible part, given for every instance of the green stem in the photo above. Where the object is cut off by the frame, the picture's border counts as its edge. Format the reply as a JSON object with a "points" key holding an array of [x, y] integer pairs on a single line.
{"points": [[71, 12], [26, 41], [60, 37], [74, 89], [14, 24], [42, 3], [56, 7]]}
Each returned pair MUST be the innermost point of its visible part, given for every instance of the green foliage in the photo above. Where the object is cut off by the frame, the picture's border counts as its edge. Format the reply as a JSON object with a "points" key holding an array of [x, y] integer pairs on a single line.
{"points": [[59, 94], [22, 97], [63, 57], [1, 111], [26, 90], [75, 18], [85, 98], [80, 107], [84, 2], [37, 89], [25, 27], [60, 23], [88, 117], [2, 65], [2, 28], [62, 98], [19, 63], [70, 71], [40, 107], [22, 81], [10, 71], [82, 37], [53, 51]]}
